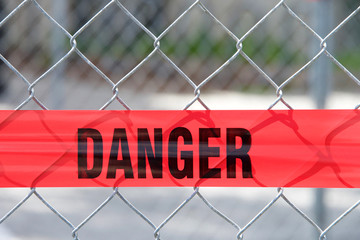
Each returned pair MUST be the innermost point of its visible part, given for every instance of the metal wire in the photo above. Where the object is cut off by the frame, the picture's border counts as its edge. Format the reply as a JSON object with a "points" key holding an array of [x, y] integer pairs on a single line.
{"points": [[239, 42]]}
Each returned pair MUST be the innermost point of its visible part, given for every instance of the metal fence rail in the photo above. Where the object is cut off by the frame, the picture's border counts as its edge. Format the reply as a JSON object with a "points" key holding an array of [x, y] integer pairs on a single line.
{"points": [[72, 50]]}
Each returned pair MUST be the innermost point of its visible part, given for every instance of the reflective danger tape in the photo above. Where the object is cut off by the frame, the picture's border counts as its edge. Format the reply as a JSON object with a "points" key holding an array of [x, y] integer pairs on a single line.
{"points": [[280, 148]]}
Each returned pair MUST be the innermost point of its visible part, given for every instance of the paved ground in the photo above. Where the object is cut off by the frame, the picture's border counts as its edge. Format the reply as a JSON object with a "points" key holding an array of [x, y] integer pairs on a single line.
{"points": [[196, 221]]}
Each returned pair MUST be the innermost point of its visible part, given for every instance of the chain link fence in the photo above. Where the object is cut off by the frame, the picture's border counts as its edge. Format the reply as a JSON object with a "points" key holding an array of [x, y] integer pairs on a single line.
{"points": [[157, 54]]}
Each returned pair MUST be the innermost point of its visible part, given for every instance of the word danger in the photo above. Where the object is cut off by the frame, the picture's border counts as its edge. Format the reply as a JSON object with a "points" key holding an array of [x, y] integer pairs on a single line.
{"points": [[150, 153]]}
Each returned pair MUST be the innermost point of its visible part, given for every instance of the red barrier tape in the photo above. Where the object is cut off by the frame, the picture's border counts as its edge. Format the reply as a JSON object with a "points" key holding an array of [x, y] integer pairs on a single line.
{"points": [[290, 148]]}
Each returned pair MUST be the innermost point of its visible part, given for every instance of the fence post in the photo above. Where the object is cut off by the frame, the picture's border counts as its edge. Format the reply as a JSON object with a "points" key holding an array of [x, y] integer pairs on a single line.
{"points": [[57, 48], [320, 73], [320, 81]]}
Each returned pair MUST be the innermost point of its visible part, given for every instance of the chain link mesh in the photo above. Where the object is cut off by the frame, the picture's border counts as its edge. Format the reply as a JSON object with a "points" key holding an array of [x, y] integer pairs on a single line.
{"points": [[160, 55]]}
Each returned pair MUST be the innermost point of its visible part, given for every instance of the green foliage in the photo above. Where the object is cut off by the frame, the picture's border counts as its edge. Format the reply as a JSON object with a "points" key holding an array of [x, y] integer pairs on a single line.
{"points": [[350, 59], [200, 45], [272, 51]]}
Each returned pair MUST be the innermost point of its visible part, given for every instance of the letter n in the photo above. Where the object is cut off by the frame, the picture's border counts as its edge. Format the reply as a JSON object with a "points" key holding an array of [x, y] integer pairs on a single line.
{"points": [[145, 150]]}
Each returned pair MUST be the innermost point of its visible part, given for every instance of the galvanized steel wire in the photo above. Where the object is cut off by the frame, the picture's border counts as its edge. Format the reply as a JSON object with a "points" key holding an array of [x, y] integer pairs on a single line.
{"points": [[115, 84]]}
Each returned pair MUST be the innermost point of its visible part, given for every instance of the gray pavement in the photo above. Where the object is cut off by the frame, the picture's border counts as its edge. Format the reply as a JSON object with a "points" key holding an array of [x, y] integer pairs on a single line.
{"points": [[195, 221]]}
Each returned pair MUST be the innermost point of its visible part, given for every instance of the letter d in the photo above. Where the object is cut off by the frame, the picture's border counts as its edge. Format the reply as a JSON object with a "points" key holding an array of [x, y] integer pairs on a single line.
{"points": [[83, 135]]}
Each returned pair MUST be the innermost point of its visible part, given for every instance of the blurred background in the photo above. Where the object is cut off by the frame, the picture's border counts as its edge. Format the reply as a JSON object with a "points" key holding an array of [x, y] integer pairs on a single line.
{"points": [[196, 44], [110, 45]]}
